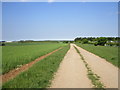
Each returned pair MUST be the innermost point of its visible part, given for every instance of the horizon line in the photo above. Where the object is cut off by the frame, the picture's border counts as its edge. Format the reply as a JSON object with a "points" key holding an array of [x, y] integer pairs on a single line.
{"points": [[57, 39]]}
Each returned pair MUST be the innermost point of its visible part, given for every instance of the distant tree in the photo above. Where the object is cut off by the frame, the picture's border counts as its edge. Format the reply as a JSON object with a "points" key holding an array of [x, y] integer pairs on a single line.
{"points": [[3, 44], [101, 41], [71, 41], [21, 41], [85, 41], [65, 41], [95, 44], [90, 38], [110, 38], [78, 39]]}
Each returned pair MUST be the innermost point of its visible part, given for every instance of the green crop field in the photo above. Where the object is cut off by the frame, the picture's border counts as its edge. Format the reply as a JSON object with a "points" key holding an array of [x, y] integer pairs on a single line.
{"points": [[0, 60], [107, 52], [29, 43], [40, 74], [15, 56]]}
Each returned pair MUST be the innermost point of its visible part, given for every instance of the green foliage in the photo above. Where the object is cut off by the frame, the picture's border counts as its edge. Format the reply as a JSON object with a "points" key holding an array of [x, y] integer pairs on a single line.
{"points": [[112, 44], [40, 74], [109, 53], [14, 56], [65, 41], [101, 41], [95, 80], [2, 43], [85, 41]]}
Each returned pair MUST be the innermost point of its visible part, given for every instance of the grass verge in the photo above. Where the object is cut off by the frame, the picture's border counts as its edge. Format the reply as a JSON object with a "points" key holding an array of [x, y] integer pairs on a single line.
{"points": [[107, 52], [40, 74], [95, 79]]}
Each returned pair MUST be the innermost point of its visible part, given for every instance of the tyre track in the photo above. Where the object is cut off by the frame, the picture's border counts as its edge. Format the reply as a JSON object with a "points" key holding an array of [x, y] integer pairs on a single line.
{"points": [[72, 72], [108, 73], [13, 73]]}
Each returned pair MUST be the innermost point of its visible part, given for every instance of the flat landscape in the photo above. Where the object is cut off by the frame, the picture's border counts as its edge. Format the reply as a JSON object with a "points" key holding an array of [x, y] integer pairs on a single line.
{"points": [[67, 67], [40, 73], [59, 44]]}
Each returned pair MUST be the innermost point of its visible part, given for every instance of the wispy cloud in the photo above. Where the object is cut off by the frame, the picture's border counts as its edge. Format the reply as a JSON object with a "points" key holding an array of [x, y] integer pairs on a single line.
{"points": [[23, 0], [51, 1]]}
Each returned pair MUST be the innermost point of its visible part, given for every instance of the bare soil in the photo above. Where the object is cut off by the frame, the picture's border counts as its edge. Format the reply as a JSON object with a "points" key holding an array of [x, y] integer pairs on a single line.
{"points": [[72, 72], [108, 73]]}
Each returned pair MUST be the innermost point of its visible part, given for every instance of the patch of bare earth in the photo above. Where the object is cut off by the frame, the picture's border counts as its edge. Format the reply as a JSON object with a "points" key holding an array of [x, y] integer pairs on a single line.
{"points": [[13, 73], [108, 73], [72, 72]]}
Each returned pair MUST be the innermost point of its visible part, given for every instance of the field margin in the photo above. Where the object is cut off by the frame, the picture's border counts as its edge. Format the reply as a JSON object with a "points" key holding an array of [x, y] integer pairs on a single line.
{"points": [[13, 73], [40, 74]]}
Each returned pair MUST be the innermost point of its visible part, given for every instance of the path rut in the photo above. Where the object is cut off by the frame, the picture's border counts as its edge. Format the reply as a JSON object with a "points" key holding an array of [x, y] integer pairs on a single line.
{"points": [[13, 73], [108, 73], [72, 72]]}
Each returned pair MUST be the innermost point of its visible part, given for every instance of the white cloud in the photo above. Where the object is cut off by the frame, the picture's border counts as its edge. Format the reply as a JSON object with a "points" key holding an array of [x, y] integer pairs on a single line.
{"points": [[24, 0], [51, 1]]}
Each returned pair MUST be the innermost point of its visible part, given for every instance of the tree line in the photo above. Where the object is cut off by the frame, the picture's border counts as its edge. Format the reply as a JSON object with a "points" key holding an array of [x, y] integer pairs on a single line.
{"points": [[101, 41]]}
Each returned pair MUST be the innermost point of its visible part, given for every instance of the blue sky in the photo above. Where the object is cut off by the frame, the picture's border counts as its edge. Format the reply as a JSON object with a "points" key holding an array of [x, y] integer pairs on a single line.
{"points": [[58, 20], [59, 0], [0, 21]]}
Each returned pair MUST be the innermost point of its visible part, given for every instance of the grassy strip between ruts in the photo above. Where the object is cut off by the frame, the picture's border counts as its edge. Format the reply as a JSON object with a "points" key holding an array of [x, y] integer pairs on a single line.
{"points": [[95, 79], [107, 52], [40, 74]]}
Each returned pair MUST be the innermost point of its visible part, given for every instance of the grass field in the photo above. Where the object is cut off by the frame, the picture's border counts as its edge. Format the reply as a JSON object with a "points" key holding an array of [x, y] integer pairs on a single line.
{"points": [[40, 74], [107, 52], [15, 56], [28, 43], [0, 60]]}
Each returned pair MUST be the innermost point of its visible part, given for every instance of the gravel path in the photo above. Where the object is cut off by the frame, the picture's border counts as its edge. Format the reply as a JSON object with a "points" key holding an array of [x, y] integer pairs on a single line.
{"points": [[108, 73], [72, 72]]}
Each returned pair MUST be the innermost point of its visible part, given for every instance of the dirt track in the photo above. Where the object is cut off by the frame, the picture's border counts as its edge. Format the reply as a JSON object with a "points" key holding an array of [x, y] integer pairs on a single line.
{"points": [[72, 72], [13, 73], [108, 73]]}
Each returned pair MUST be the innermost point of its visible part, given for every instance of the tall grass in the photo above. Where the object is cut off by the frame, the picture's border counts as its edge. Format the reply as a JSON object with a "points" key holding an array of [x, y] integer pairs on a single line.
{"points": [[40, 74], [15, 56], [107, 52]]}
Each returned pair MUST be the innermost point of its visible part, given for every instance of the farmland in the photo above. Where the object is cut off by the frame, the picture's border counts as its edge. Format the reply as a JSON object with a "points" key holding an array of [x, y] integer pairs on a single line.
{"points": [[19, 43], [41, 73], [0, 60], [49, 44], [16, 55], [107, 52]]}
